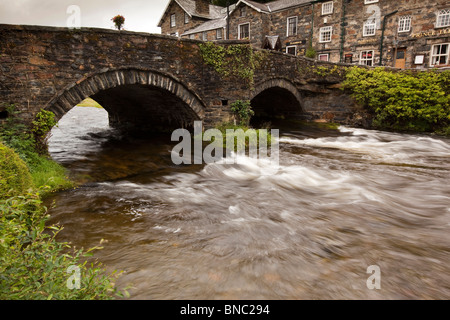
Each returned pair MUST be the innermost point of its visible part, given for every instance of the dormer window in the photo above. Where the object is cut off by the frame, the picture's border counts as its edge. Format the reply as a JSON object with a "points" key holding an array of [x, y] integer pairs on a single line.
{"points": [[243, 11]]}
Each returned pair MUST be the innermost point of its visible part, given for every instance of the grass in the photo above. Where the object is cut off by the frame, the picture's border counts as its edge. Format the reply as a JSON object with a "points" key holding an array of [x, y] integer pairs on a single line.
{"points": [[91, 103]]}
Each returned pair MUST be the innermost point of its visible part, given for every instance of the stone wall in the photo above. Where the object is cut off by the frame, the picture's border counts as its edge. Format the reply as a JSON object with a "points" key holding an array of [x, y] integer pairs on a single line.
{"points": [[181, 27], [348, 42], [152, 80]]}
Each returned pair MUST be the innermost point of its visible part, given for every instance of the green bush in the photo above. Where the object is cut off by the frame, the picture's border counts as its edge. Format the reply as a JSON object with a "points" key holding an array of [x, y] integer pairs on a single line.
{"points": [[403, 100], [243, 111], [34, 266], [15, 179], [31, 146], [41, 126]]}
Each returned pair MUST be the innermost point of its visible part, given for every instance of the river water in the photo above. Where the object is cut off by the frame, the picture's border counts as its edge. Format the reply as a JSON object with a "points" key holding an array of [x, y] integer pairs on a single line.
{"points": [[341, 201]]}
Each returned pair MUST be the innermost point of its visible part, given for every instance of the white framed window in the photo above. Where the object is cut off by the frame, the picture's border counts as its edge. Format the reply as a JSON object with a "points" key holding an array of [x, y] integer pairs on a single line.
{"points": [[366, 57], [440, 54], [244, 31], [369, 28], [205, 36], [324, 57], [325, 34], [404, 24], [173, 21], [291, 50], [443, 18], [186, 18], [370, 1], [192, 36], [292, 26], [327, 8], [219, 34]]}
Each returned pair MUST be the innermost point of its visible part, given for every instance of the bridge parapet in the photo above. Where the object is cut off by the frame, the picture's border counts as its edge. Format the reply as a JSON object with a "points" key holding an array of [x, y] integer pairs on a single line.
{"points": [[136, 76]]}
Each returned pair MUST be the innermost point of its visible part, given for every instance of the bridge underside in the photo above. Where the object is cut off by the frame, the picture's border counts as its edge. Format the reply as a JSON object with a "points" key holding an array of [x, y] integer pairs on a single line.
{"points": [[275, 103], [145, 108]]}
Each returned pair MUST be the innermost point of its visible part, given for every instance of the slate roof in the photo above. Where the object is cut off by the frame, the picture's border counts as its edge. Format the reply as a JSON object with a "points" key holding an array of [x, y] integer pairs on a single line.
{"points": [[215, 12], [208, 25], [274, 5]]}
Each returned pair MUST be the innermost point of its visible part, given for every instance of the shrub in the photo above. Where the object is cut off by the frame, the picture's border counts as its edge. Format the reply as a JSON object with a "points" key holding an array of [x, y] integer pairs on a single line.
{"points": [[41, 126], [402, 100], [118, 21], [15, 179], [243, 110], [34, 266]]}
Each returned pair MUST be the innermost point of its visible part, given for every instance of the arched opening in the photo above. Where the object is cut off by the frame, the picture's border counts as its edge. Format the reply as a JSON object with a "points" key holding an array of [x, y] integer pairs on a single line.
{"points": [[136, 100], [275, 100]]}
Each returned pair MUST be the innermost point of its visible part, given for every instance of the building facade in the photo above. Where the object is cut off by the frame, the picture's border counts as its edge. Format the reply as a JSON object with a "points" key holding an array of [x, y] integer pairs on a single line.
{"points": [[396, 33]]}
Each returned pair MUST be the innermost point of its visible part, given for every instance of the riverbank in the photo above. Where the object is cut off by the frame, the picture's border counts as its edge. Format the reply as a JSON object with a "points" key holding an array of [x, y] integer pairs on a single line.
{"points": [[33, 265]]}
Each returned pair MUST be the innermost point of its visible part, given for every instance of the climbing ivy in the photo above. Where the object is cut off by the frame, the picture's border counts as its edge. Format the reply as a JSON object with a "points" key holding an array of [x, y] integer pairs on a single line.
{"points": [[234, 60]]}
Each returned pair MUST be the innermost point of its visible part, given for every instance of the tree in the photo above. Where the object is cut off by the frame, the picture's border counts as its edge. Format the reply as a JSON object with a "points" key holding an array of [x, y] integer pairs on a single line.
{"points": [[118, 21]]}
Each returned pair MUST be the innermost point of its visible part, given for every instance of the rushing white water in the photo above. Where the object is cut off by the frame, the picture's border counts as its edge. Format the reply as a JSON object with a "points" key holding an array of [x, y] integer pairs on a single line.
{"points": [[336, 203]]}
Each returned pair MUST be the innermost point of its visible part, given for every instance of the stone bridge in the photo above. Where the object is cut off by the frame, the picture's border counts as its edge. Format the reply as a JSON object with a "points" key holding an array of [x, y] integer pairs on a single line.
{"points": [[156, 82]]}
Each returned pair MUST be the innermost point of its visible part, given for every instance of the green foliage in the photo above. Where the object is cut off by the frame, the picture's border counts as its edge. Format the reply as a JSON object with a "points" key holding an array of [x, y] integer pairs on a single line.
{"points": [[243, 110], [403, 100], [15, 179], [237, 142], [34, 266], [47, 175], [41, 126], [311, 52], [233, 60]]}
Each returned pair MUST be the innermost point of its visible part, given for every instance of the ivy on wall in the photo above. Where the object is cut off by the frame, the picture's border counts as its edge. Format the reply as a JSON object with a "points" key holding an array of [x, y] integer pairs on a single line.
{"points": [[233, 61]]}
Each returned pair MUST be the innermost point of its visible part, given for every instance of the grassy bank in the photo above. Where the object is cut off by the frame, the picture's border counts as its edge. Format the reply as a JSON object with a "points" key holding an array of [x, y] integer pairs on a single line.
{"points": [[403, 101], [33, 265]]}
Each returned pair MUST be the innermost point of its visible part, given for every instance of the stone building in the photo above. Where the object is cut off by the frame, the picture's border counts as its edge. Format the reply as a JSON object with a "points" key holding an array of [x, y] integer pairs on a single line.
{"points": [[397, 33]]}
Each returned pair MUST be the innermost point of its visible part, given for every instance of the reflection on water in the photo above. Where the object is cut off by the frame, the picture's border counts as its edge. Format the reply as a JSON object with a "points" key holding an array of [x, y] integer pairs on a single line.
{"points": [[341, 202]]}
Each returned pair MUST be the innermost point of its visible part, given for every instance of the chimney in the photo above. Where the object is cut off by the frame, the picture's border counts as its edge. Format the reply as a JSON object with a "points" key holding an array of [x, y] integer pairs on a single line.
{"points": [[202, 7]]}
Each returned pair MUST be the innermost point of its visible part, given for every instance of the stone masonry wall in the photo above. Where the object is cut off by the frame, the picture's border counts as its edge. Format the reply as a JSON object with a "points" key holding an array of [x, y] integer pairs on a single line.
{"points": [[56, 68]]}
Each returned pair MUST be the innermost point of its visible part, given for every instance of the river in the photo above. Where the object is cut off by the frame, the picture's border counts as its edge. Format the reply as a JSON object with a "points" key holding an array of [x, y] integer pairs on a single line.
{"points": [[341, 201]]}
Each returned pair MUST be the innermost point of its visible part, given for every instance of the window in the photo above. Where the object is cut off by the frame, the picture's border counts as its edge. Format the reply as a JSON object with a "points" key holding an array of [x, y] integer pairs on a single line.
{"points": [[366, 58], [292, 26], [325, 34], [440, 54], [370, 1], [243, 12], [291, 50], [173, 21], [369, 28], [219, 34], [186, 18], [192, 36], [327, 8], [443, 18], [205, 36], [404, 24], [324, 57], [244, 31]]}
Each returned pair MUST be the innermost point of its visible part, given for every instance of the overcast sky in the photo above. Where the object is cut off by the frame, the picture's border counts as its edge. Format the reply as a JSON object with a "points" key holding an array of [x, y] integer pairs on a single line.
{"points": [[140, 15]]}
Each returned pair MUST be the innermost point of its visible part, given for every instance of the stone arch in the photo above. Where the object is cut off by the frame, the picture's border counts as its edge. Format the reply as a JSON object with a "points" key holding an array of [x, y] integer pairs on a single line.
{"points": [[279, 95], [107, 79]]}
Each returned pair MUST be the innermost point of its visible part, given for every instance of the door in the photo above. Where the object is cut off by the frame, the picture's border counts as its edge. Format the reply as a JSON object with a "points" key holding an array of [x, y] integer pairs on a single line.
{"points": [[400, 58]]}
